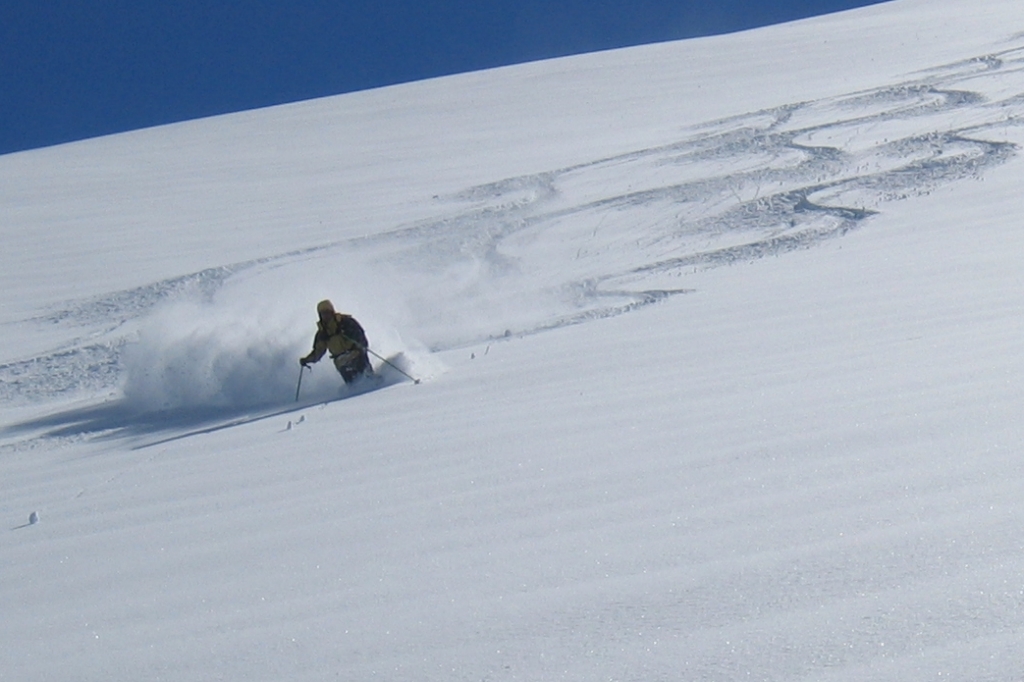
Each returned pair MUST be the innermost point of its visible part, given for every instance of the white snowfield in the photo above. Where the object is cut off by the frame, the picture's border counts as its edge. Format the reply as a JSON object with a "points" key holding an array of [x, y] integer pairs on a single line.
{"points": [[722, 349]]}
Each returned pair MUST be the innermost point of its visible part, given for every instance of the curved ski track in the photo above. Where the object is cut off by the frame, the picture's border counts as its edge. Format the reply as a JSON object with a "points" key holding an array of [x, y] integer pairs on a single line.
{"points": [[626, 229]]}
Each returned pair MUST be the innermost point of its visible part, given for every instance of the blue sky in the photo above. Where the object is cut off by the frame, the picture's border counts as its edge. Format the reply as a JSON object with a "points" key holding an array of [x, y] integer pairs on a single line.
{"points": [[72, 69]]}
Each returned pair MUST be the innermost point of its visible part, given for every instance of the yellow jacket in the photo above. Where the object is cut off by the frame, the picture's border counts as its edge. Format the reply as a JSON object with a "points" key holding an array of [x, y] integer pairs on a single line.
{"points": [[340, 336]]}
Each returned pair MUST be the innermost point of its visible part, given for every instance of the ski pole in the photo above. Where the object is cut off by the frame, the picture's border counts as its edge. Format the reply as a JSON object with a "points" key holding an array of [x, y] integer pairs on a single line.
{"points": [[379, 357], [299, 387], [393, 365]]}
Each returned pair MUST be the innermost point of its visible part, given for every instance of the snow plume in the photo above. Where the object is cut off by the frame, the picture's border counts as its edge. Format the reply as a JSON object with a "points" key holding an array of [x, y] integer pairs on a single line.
{"points": [[241, 349], [410, 359], [192, 355]]}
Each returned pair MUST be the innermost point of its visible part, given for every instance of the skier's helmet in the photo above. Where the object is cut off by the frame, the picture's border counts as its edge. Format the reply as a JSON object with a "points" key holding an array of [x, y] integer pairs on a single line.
{"points": [[325, 307]]}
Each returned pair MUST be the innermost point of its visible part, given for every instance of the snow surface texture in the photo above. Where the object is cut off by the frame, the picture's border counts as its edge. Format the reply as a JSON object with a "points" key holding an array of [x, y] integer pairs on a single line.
{"points": [[721, 354]]}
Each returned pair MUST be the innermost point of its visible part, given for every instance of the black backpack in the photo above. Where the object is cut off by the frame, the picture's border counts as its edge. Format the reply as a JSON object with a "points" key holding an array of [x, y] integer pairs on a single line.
{"points": [[352, 330]]}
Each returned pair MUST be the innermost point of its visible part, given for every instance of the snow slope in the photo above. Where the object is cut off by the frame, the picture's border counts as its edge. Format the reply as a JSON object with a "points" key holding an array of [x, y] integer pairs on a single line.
{"points": [[720, 342]]}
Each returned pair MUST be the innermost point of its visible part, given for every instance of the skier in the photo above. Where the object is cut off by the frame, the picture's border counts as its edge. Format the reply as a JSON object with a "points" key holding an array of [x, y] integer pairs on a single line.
{"points": [[344, 338]]}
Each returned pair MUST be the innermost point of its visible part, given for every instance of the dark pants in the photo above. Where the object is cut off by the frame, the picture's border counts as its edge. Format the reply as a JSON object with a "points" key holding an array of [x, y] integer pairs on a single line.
{"points": [[351, 368]]}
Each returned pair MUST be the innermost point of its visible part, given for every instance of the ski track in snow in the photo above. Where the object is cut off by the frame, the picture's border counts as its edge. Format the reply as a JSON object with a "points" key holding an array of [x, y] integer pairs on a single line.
{"points": [[626, 229]]}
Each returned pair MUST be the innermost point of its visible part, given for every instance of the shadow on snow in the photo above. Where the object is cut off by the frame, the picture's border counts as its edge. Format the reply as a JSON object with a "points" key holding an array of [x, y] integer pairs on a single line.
{"points": [[118, 419]]}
